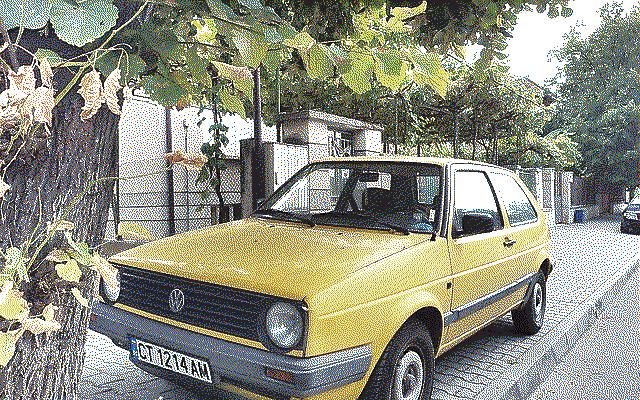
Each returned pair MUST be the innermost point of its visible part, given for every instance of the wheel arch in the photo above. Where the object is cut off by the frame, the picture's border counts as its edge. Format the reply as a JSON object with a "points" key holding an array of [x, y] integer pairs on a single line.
{"points": [[546, 268], [433, 320]]}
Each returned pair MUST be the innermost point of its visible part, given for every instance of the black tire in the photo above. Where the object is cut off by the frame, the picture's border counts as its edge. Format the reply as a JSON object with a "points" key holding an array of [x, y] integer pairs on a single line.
{"points": [[625, 230], [413, 338], [530, 317]]}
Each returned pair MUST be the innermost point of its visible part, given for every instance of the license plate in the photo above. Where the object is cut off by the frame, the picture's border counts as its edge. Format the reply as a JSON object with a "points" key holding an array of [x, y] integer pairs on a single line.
{"points": [[171, 360]]}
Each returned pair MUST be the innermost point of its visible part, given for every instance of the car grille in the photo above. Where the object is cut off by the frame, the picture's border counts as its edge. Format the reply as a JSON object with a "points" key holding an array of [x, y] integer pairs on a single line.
{"points": [[218, 308]]}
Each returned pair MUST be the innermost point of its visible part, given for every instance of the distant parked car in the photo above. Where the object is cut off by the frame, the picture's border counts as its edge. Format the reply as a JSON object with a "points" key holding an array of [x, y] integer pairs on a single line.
{"points": [[631, 217], [345, 284]]}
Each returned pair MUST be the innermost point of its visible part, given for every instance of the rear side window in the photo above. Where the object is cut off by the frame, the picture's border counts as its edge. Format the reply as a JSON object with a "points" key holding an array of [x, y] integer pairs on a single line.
{"points": [[519, 208], [473, 194]]}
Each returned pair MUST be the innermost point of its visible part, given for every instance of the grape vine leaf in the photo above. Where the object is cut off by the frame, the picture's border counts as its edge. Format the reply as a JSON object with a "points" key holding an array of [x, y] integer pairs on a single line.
{"points": [[32, 14], [79, 23]]}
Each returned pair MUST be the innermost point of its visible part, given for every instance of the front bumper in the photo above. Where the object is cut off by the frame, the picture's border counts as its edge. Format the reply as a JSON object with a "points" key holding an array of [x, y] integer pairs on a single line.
{"points": [[239, 365]]}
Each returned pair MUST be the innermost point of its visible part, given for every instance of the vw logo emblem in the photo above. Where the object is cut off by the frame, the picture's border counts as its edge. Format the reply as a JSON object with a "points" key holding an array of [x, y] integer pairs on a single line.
{"points": [[176, 300]]}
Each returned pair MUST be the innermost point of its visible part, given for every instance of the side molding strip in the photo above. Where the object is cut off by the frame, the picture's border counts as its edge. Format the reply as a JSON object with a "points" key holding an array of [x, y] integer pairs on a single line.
{"points": [[485, 301]]}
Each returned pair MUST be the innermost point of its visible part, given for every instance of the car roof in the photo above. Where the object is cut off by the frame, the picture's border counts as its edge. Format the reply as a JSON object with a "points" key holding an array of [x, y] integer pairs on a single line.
{"points": [[409, 159]]}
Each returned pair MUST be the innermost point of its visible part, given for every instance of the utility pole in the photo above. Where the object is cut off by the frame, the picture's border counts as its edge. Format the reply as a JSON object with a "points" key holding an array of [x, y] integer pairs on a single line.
{"points": [[258, 167]]}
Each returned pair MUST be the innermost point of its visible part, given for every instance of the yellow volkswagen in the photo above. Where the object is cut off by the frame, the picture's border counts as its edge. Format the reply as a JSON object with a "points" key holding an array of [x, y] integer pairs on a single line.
{"points": [[346, 283]]}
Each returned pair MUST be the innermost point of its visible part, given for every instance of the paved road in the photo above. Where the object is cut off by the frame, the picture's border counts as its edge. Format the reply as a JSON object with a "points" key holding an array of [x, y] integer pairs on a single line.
{"points": [[604, 364], [586, 256]]}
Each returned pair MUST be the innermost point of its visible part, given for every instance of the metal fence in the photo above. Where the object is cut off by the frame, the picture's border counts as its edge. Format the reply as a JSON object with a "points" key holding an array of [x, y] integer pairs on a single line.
{"points": [[167, 201]]}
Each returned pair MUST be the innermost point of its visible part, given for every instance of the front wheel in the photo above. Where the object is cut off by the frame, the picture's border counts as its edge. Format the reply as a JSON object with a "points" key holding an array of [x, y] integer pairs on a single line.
{"points": [[405, 369], [529, 319]]}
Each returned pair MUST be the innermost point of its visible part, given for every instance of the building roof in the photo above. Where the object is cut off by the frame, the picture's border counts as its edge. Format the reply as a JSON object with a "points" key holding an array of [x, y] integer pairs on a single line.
{"points": [[330, 119]]}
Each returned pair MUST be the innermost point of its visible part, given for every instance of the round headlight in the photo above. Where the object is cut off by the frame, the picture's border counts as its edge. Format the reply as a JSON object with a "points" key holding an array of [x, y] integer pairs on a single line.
{"points": [[112, 292], [285, 325]]}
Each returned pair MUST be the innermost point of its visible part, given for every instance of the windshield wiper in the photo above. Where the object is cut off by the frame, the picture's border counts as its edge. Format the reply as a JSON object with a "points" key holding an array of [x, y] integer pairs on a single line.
{"points": [[270, 212], [396, 228]]}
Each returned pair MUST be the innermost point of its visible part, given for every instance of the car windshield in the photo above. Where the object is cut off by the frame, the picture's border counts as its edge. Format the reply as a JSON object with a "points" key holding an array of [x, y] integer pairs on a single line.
{"points": [[402, 197]]}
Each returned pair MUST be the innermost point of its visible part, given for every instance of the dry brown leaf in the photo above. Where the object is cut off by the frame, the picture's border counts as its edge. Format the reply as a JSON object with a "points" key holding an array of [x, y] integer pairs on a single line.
{"points": [[111, 88], [39, 326], [12, 97], [60, 225], [24, 80], [58, 256], [107, 271], [4, 188], [46, 73], [91, 92], [43, 103], [191, 161]]}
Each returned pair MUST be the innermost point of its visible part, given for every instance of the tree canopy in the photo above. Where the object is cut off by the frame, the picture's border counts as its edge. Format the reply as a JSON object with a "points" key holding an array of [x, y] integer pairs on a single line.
{"points": [[599, 97]]}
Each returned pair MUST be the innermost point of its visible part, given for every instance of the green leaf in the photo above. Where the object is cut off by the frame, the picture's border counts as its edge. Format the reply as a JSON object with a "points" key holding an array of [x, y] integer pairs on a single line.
{"points": [[251, 4], [240, 76], [206, 30], [15, 265], [273, 60], [301, 42], [358, 78], [232, 102], [131, 64], [393, 80], [404, 13], [397, 25], [251, 48], [54, 59], [7, 347], [82, 22], [79, 251], [164, 91], [566, 12], [389, 62], [271, 34], [69, 271], [318, 62], [32, 14], [12, 305], [340, 58], [428, 71]]}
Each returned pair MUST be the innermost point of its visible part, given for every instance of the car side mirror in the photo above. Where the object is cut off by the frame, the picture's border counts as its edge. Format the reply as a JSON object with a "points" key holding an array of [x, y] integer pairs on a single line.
{"points": [[477, 223]]}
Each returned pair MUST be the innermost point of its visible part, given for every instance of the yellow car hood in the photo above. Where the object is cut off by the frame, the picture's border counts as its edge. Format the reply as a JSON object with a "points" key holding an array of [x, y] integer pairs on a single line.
{"points": [[284, 259]]}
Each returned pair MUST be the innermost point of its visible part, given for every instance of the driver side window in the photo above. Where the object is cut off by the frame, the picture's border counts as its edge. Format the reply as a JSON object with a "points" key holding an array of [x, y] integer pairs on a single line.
{"points": [[473, 195]]}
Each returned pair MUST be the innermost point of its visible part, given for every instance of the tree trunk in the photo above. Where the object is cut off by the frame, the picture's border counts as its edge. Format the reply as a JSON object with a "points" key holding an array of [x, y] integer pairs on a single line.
{"points": [[47, 174], [42, 184]]}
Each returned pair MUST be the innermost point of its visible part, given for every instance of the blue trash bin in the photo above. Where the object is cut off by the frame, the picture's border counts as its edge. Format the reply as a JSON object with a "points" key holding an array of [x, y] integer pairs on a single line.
{"points": [[579, 216]]}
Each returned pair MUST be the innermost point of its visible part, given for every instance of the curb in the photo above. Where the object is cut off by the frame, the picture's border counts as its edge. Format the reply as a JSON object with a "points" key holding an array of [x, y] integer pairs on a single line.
{"points": [[521, 381]]}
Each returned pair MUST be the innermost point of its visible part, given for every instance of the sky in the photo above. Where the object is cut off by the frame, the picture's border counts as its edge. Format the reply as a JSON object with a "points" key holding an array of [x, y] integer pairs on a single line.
{"points": [[536, 35]]}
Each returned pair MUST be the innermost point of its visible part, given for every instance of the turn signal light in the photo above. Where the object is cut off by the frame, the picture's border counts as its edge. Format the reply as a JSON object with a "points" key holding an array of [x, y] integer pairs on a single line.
{"points": [[278, 375]]}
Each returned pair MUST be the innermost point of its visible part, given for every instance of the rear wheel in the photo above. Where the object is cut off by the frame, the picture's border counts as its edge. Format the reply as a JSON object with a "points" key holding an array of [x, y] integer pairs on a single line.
{"points": [[529, 319], [405, 369], [624, 229]]}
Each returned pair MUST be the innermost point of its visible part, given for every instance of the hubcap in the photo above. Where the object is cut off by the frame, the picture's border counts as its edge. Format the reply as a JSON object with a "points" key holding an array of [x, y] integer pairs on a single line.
{"points": [[538, 299], [409, 376]]}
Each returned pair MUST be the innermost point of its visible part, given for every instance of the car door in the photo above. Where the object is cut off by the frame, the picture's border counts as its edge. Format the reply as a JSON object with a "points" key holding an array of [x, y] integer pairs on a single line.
{"points": [[480, 262], [526, 227]]}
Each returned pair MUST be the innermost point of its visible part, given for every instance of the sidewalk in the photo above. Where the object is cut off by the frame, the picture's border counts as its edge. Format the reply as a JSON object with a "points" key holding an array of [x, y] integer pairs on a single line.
{"points": [[494, 364]]}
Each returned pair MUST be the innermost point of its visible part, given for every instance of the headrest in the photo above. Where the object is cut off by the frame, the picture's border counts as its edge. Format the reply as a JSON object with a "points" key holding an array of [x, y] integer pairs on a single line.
{"points": [[376, 199]]}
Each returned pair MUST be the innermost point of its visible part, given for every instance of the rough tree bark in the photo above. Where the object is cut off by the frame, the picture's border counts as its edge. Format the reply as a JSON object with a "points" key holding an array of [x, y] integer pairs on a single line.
{"points": [[45, 177]]}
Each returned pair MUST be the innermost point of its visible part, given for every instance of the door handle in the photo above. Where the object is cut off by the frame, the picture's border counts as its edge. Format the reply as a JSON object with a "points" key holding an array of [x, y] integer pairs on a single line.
{"points": [[509, 242]]}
